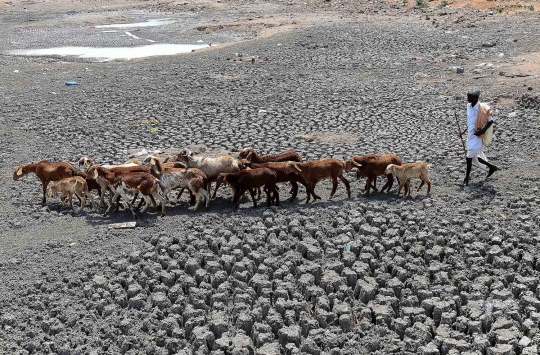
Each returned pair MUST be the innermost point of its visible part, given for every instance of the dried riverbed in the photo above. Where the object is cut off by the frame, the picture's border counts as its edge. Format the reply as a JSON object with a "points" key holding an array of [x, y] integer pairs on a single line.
{"points": [[453, 273]]}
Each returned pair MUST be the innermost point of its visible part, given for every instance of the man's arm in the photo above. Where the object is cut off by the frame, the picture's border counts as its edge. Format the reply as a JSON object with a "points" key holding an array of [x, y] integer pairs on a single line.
{"points": [[483, 130]]}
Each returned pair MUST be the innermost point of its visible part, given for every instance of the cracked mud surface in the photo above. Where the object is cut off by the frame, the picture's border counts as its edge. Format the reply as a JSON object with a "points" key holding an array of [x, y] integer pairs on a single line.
{"points": [[457, 272]]}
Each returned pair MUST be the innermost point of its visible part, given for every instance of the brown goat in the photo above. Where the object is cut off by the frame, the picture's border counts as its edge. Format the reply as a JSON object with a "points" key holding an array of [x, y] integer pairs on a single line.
{"points": [[279, 168], [252, 156], [129, 182], [73, 185], [406, 172], [314, 171], [249, 155], [249, 180], [91, 183], [371, 166], [46, 172], [133, 165]]}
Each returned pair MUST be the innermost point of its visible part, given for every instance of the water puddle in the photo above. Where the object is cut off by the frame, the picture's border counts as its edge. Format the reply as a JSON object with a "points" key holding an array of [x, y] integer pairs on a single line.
{"points": [[112, 53], [132, 35], [148, 23]]}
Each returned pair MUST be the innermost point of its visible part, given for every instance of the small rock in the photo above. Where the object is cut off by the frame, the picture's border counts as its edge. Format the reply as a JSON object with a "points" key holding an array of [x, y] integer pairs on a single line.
{"points": [[524, 342]]}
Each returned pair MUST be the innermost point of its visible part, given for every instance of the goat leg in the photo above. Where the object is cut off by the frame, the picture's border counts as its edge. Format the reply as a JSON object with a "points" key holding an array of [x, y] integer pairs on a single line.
{"points": [[347, 185], [389, 183], [70, 196], [368, 186], [252, 192], [334, 187], [198, 198], [179, 194], [118, 203], [236, 198], [209, 188], [308, 192], [83, 202], [134, 198], [164, 192], [115, 197], [140, 204], [130, 206], [294, 190], [401, 186], [374, 179], [44, 184], [102, 196], [91, 198], [276, 194], [315, 196]]}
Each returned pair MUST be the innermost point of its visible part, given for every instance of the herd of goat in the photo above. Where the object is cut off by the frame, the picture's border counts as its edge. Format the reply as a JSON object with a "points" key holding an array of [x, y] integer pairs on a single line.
{"points": [[154, 179]]}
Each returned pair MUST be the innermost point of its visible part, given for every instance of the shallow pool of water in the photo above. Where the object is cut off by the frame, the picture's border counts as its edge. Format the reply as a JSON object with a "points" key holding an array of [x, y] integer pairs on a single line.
{"points": [[112, 53], [149, 23]]}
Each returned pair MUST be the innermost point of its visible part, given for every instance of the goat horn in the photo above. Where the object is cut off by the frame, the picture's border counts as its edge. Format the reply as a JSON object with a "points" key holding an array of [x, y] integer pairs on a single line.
{"points": [[356, 164]]}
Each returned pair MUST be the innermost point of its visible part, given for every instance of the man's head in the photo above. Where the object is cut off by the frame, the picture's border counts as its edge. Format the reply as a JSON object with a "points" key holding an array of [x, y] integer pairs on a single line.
{"points": [[473, 95]]}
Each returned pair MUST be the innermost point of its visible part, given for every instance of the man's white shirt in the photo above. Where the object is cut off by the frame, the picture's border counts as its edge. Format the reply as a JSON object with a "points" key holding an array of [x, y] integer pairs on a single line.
{"points": [[473, 142]]}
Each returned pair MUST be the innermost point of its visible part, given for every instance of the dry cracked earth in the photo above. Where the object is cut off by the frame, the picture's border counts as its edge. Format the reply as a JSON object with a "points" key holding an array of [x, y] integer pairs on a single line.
{"points": [[453, 273]]}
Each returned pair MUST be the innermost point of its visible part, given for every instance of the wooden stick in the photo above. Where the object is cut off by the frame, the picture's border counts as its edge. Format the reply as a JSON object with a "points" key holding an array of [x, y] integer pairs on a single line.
{"points": [[460, 134]]}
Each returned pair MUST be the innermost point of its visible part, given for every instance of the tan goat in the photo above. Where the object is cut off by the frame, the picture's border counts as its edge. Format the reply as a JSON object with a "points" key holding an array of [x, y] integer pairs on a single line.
{"points": [[406, 172], [72, 185]]}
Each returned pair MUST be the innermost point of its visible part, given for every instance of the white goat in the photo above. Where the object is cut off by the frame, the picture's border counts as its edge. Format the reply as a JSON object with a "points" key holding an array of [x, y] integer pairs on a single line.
{"points": [[174, 178], [211, 167]]}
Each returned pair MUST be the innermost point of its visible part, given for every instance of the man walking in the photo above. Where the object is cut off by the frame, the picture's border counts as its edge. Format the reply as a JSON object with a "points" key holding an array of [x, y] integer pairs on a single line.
{"points": [[479, 119]]}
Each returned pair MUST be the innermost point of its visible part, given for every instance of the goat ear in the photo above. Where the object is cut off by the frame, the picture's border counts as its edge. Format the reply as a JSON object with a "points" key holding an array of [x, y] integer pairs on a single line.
{"points": [[19, 172], [166, 160]]}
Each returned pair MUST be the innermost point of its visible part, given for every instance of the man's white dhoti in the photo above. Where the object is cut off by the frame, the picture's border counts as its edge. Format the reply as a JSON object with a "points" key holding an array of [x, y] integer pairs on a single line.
{"points": [[475, 154]]}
